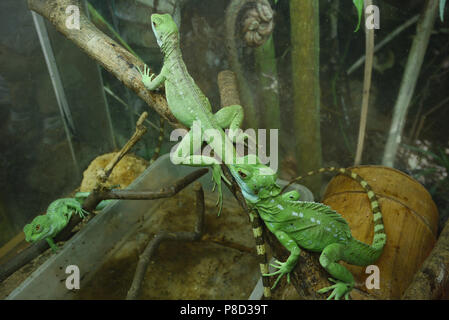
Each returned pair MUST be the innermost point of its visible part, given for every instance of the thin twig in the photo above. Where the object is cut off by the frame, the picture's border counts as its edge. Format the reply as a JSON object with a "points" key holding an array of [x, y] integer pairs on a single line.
{"points": [[369, 32], [104, 174]]}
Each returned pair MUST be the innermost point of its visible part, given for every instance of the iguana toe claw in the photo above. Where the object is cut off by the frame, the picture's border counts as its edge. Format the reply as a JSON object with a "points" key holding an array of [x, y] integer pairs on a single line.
{"points": [[283, 268], [339, 289]]}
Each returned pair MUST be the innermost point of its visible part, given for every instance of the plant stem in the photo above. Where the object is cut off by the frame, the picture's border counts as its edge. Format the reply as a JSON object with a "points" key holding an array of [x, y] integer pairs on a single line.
{"points": [[304, 20], [409, 79]]}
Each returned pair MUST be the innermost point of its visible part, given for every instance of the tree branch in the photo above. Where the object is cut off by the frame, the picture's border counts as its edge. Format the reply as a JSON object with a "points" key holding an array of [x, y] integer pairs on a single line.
{"points": [[101, 48]]}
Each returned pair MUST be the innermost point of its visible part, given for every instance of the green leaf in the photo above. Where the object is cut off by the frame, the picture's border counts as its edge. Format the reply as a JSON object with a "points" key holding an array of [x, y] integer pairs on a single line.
{"points": [[359, 5], [442, 5]]}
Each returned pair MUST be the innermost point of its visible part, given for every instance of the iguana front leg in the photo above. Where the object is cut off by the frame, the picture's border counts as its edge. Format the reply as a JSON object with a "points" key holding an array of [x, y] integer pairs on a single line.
{"points": [[52, 244], [287, 266], [344, 281], [232, 117], [151, 82]]}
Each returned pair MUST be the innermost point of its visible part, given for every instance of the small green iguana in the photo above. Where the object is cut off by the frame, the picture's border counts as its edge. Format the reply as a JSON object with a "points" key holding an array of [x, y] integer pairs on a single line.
{"points": [[310, 225], [188, 104], [58, 215]]}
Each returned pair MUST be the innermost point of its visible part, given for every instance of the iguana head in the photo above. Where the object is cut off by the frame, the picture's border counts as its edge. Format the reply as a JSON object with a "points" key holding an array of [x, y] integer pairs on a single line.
{"points": [[256, 180], [40, 228], [163, 26]]}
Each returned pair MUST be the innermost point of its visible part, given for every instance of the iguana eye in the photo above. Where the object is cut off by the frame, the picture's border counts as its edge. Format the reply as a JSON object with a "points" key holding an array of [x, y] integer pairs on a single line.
{"points": [[154, 24], [38, 226], [242, 174]]}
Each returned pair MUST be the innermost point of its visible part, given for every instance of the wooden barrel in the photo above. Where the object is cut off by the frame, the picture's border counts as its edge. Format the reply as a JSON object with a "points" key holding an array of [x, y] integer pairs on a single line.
{"points": [[410, 217]]}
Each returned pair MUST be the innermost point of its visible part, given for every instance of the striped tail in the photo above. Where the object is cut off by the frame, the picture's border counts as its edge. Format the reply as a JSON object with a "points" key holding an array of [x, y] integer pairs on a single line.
{"points": [[160, 139], [380, 238], [261, 252]]}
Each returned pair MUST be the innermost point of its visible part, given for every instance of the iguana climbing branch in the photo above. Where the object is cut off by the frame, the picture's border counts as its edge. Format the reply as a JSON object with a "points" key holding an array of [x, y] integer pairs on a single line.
{"points": [[190, 106], [309, 225], [57, 217]]}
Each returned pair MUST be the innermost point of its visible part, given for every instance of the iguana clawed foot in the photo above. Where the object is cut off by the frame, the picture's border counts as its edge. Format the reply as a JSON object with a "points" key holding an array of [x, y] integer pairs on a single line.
{"points": [[340, 289], [146, 76], [283, 268]]}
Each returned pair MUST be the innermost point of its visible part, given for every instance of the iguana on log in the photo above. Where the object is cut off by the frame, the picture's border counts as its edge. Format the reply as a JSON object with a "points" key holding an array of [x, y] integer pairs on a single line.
{"points": [[310, 225]]}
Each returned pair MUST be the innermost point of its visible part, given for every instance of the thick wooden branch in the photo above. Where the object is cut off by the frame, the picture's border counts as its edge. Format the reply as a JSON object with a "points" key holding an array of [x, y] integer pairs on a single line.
{"points": [[104, 50]]}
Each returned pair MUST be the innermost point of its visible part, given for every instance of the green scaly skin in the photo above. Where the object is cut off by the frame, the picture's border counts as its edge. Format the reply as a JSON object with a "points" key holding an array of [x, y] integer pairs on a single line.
{"points": [[309, 225], [188, 104], [58, 215]]}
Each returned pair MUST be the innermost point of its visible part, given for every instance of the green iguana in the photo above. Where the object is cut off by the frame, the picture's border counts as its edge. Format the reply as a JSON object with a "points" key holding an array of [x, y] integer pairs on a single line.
{"points": [[58, 215], [310, 225], [189, 105]]}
